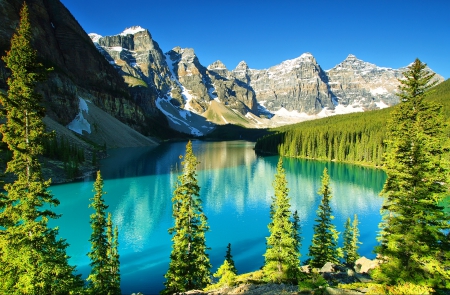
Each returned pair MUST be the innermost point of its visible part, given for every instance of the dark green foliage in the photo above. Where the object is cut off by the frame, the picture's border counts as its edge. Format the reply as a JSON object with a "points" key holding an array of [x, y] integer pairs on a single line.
{"points": [[112, 235], [104, 278], [413, 231], [189, 266], [62, 150], [33, 260], [229, 258], [355, 138], [282, 252], [297, 232], [351, 234], [227, 271], [234, 132], [323, 247]]}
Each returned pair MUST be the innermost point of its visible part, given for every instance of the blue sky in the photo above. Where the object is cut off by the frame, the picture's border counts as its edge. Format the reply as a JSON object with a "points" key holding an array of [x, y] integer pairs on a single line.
{"points": [[265, 33]]}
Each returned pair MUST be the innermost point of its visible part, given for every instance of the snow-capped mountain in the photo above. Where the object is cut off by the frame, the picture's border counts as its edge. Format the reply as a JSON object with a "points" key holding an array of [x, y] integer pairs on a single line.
{"points": [[194, 97]]}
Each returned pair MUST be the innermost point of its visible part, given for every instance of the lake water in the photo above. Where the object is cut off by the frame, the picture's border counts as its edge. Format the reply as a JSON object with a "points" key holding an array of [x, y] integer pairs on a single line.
{"points": [[236, 189]]}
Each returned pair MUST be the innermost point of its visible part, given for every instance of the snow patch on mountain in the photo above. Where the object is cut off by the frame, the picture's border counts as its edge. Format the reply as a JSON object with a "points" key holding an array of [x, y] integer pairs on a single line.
{"points": [[132, 30], [182, 120], [378, 91], [184, 92], [95, 37], [80, 124], [381, 105]]}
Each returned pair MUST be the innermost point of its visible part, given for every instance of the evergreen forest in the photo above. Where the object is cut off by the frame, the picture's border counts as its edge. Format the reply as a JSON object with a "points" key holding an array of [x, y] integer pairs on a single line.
{"points": [[353, 138]]}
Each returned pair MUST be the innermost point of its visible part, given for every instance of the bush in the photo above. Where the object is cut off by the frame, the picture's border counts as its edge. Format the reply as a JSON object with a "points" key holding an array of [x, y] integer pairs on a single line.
{"points": [[312, 281]]}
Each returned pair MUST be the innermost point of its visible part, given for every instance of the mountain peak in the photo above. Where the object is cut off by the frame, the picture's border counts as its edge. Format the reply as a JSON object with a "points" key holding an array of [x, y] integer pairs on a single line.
{"points": [[95, 37], [306, 55], [242, 66], [351, 57], [217, 65], [132, 30]]}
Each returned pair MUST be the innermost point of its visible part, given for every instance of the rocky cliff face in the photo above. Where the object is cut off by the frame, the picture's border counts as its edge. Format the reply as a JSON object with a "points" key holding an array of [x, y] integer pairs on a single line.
{"points": [[176, 77], [298, 84], [79, 69], [298, 89], [141, 63], [355, 82]]}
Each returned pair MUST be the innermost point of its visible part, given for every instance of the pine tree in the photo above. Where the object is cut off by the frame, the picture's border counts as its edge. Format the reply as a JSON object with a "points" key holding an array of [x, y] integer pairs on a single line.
{"points": [[351, 241], [413, 240], [33, 260], [282, 255], [229, 258], [189, 266], [100, 277], [323, 248], [225, 274], [112, 236], [227, 271], [297, 232]]}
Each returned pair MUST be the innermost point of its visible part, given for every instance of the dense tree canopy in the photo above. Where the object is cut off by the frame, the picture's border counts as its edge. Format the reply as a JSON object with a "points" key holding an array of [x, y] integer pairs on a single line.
{"points": [[354, 138], [413, 231], [33, 260]]}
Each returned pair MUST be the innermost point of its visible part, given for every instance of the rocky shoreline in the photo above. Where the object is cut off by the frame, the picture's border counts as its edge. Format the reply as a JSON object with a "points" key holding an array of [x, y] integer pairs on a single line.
{"points": [[332, 273]]}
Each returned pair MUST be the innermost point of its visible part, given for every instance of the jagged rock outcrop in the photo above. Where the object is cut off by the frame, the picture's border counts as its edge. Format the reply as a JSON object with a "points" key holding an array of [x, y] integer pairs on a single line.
{"points": [[141, 63], [355, 82], [232, 91], [301, 85], [294, 90], [298, 84], [78, 68], [192, 79], [176, 76]]}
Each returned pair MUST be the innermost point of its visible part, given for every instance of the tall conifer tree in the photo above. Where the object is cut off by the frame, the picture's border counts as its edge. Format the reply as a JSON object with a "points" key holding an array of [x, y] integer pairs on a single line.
{"points": [[297, 232], [413, 228], [227, 271], [189, 266], [104, 277], [351, 234], [282, 254], [229, 258], [33, 260], [112, 235], [323, 248]]}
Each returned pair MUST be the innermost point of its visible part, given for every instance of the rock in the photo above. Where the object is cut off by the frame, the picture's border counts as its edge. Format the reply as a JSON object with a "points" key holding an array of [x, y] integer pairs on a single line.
{"points": [[359, 83], [363, 278], [336, 291], [142, 64], [350, 272], [363, 264], [328, 267], [299, 84], [78, 67], [306, 268]]}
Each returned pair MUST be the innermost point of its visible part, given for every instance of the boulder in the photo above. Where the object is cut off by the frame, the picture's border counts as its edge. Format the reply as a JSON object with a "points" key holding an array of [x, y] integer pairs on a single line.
{"points": [[363, 264], [305, 268], [328, 267]]}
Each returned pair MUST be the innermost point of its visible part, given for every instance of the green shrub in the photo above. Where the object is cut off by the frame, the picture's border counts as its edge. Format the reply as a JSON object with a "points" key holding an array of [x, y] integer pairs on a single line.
{"points": [[312, 281]]}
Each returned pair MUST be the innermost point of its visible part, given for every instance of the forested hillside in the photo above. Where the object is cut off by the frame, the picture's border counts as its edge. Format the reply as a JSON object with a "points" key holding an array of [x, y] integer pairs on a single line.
{"points": [[356, 138]]}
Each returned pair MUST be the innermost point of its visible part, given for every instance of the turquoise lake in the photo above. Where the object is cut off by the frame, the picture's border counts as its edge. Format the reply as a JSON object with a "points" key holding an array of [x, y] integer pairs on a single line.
{"points": [[236, 189]]}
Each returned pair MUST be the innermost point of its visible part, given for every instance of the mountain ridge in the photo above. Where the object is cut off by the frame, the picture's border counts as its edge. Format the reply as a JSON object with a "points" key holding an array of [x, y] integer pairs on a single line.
{"points": [[292, 91]]}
